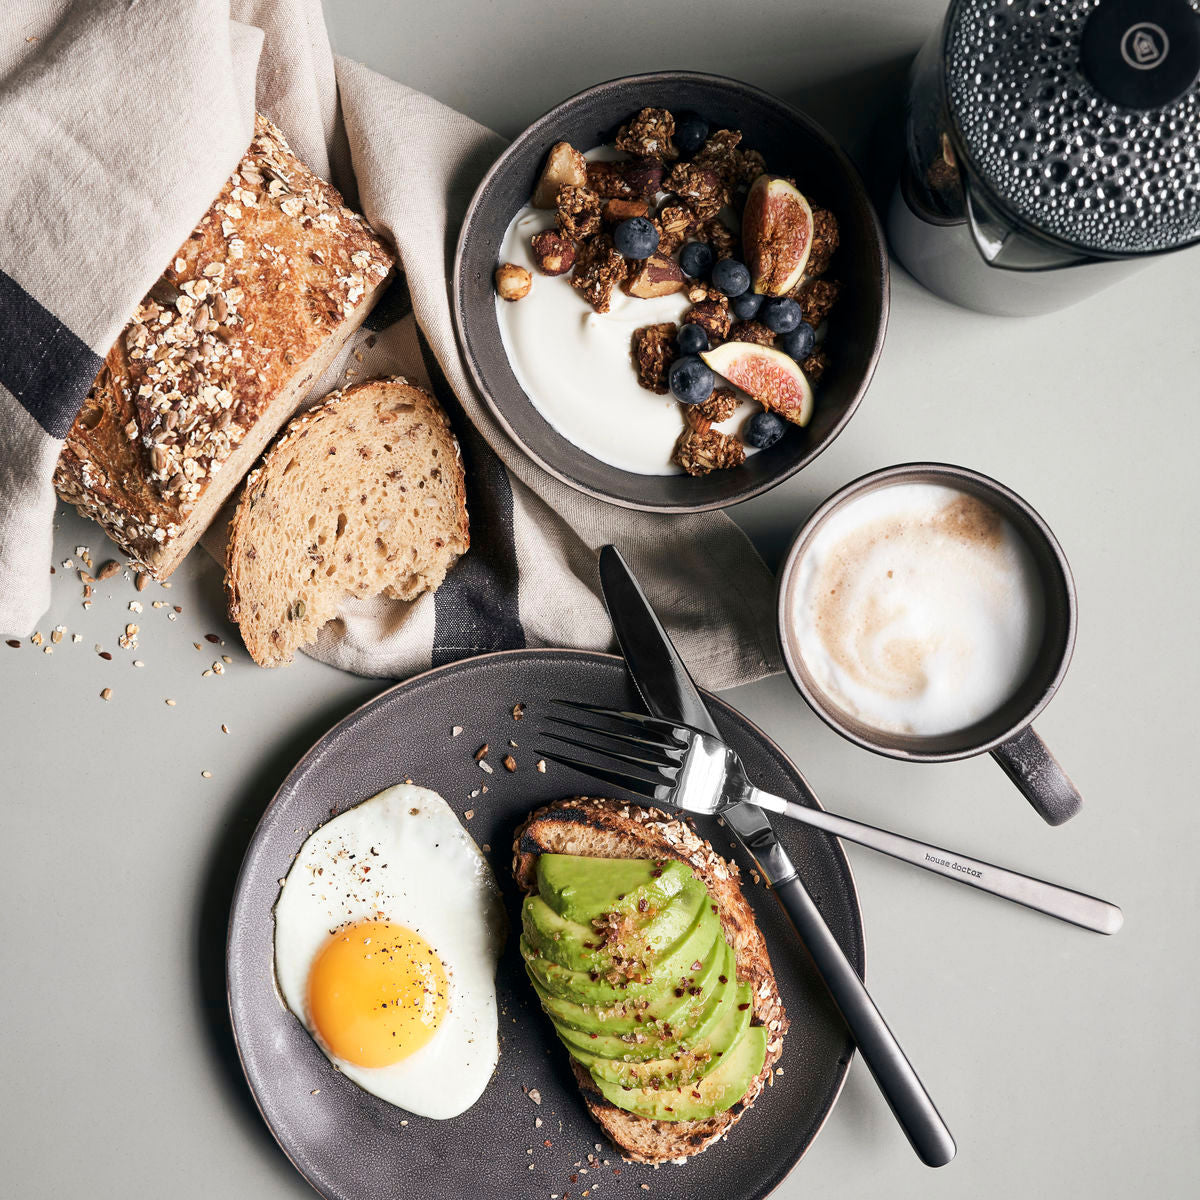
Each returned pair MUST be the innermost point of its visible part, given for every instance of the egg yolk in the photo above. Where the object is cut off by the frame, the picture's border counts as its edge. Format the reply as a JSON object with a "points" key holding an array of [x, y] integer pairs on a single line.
{"points": [[377, 993]]}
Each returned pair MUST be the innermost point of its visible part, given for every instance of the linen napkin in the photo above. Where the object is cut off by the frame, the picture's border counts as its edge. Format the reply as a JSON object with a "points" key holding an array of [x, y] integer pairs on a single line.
{"points": [[122, 120]]}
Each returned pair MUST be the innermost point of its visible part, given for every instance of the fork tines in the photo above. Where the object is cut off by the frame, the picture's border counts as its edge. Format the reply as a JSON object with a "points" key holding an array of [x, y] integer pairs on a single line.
{"points": [[656, 748]]}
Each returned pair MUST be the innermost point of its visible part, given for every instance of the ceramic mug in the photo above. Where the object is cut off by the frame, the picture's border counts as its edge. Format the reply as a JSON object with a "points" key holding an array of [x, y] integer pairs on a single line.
{"points": [[1006, 733]]}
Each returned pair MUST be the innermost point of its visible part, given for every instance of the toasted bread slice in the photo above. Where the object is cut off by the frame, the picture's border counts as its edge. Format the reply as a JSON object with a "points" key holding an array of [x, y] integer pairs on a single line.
{"points": [[361, 495], [613, 829]]}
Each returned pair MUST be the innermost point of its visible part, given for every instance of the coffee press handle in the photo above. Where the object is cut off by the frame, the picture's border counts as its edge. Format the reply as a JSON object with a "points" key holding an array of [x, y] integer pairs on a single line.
{"points": [[1027, 761]]}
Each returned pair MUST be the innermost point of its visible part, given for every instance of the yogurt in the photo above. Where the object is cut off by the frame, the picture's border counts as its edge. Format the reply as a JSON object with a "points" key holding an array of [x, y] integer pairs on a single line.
{"points": [[574, 363]]}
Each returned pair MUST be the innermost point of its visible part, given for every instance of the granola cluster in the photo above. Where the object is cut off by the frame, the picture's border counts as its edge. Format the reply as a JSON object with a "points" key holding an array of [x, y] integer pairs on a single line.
{"points": [[648, 135], [653, 348], [598, 270], [699, 452], [675, 199], [578, 213]]}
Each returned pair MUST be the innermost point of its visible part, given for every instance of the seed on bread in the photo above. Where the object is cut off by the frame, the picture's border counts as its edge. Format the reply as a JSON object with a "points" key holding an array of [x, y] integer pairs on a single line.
{"points": [[362, 495]]}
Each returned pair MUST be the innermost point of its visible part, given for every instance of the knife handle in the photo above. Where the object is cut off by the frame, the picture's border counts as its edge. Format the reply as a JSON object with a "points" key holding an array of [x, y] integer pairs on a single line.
{"points": [[904, 1092], [1088, 912]]}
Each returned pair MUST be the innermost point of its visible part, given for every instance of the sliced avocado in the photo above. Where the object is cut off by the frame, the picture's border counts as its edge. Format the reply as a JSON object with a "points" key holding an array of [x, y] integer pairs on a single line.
{"points": [[594, 988], [682, 1066], [568, 943], [581, 888], [582, 948], [659, 1012], [704, 1098], [591, 1047]]}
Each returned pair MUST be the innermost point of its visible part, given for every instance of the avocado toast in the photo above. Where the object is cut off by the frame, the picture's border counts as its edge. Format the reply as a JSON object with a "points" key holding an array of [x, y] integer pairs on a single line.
{"points": [[600, 939]]}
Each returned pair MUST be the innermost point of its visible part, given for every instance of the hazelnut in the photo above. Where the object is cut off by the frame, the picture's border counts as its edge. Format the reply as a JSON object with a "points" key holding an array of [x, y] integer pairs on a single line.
{"points": [[552, 252], [513, 282]]}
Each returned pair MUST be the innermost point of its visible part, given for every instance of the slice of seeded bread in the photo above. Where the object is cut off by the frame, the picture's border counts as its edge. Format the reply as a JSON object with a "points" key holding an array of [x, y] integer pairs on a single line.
{"points": [[362, 495], [613, 829]]}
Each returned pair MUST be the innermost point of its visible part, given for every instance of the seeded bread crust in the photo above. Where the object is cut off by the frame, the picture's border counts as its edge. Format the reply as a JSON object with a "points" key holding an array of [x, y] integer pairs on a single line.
{"points": [[363, 494], [252, 309], [612, 829]]}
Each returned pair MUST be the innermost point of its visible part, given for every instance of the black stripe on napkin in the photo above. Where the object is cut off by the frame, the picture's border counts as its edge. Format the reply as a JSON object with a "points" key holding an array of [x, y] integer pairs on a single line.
{"points": [[477, 608], [45, 366]]}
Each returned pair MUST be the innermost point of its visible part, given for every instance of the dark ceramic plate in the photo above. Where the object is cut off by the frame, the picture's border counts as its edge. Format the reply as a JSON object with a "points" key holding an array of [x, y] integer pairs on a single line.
{"points": [[793, 145], [352, 1146]]}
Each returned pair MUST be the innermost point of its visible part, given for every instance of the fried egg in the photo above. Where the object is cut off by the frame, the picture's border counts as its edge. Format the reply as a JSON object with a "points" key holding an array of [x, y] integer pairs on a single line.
{"points": [[388, 929]]}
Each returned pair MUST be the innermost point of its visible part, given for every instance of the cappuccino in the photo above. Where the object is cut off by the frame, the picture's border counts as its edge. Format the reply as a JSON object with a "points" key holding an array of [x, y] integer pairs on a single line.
{"points": [[917, 609]]}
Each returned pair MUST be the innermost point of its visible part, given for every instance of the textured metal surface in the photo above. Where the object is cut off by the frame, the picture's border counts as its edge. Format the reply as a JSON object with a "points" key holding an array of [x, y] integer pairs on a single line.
{"points": [[352, 1146], [1052, 149]]}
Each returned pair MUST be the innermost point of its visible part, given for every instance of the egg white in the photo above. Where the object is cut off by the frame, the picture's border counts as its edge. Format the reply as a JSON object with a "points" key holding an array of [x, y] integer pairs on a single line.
{"points": [[427, 874]]}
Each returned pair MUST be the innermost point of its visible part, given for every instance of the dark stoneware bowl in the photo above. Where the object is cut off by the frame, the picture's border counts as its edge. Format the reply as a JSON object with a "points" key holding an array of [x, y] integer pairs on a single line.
{"points": [[793, 145]]}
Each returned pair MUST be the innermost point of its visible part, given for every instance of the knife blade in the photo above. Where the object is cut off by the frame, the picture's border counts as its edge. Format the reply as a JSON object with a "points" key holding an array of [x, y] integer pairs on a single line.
{"points": [[668, 691]]}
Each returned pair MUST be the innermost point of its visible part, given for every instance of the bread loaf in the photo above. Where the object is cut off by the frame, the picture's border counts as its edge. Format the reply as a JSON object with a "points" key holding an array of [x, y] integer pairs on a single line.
{"points": [[361, 495], [252, 309]]}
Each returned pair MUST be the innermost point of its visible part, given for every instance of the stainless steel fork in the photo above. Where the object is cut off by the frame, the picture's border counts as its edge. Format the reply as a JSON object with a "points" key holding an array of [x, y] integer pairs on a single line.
{"points": [[689, 769]]}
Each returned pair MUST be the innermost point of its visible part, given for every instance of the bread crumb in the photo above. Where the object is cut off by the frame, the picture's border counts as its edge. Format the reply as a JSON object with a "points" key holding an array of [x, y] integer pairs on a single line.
{"points": [[106, 694]]}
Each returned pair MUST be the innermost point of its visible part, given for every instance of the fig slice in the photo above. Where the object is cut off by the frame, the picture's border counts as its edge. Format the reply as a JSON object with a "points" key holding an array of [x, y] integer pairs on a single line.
{"points": [[777, 235], [769, 375]]}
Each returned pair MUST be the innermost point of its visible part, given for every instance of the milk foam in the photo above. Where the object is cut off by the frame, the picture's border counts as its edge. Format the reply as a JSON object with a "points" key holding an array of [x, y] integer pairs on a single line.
{"points": [[917, 608]]}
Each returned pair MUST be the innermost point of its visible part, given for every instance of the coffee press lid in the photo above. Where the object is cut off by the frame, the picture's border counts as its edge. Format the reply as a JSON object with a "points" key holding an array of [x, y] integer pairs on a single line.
{"points": [[1082, 117]]}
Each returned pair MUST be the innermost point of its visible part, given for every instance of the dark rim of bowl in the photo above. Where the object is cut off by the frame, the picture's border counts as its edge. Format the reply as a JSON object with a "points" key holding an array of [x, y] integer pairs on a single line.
{"points": [[951, 474], [882, 264]]}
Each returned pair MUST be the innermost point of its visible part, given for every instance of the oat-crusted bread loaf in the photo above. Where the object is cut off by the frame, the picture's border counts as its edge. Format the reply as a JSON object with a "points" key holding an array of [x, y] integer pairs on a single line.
{"points": [[254, 306], [361, 495], [614, 829]]}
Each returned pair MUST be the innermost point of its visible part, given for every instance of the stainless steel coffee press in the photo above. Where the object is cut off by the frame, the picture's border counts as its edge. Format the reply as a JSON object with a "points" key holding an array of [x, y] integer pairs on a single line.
{"points": [[1053, 147]]}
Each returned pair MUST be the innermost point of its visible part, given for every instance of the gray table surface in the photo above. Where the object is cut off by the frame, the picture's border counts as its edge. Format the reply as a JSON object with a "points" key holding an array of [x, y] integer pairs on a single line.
{"points": [[1065, 1063]]}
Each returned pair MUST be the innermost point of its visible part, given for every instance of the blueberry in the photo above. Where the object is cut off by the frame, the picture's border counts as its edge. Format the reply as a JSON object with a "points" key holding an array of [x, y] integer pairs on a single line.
{"points": [[745, 307], [691, 338], [695, 259], [691, 380], [731, 276], [798, 342], [636, 238], [781, 315], [691, 130], [764, 429]]}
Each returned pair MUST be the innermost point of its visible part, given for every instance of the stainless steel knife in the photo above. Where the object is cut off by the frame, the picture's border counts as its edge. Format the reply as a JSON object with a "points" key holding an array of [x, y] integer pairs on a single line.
{"points": [[669, 692]]}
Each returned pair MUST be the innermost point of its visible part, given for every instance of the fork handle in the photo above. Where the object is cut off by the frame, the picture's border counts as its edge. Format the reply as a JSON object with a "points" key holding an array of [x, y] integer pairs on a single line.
{"points": [[901, 1088], [1049, 898]]}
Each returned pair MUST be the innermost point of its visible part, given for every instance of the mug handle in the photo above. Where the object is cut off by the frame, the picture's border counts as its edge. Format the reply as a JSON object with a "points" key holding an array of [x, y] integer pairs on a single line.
{"points": [[1027, 761]]}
